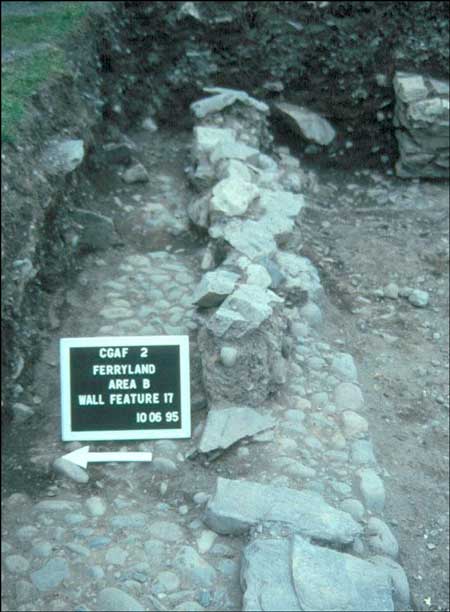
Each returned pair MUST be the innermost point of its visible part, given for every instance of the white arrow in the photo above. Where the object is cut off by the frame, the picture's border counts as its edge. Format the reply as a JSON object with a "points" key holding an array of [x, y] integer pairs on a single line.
{"points": [[82, 456]]}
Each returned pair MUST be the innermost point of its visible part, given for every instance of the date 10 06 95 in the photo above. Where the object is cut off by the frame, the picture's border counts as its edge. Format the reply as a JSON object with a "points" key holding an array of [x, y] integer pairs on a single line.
{"points": [[157, 417]]}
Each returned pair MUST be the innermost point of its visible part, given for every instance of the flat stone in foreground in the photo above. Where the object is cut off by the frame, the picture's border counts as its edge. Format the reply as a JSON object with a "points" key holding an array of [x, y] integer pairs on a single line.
{"points": [[328, 580], [266, 577], [238, 505], [225, 427]]}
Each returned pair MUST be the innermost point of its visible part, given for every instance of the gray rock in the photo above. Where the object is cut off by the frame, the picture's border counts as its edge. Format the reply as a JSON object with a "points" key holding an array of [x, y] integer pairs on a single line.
{"points": [[274, 271], [96, 231], [166, 582], [116, 153], [266, 576], [42, 549], [163, 465], [372, 489], [250, 238], [16, 564], [226, 426], [391, 291], [328, 580], [96, 506], [223, 99], [258, 275], [344, 367], [70, 470], [21, 412], [309, 125], [116, 600], [362, 453], [51, 575], [62, 157], [233, 150], [419, 298], [138, 520], [57, 505], [214, 288], [401, 594], [243, 311], [166, 531], [116, 555], [228, 356], [348, 396], [354, 507], [135, 174], [299, 273], [193, 568], [239, 505], [381, 539], [232, 196], [355, 426], [27, 533], [311, 313], [149, 124]]}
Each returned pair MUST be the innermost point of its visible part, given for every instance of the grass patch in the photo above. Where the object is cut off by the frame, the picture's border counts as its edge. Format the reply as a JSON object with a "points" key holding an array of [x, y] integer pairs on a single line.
{"points": [[22, 76]]}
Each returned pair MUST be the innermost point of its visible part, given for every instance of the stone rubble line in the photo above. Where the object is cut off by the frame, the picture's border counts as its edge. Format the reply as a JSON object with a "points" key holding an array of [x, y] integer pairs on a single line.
{"points": [[297, 558]]}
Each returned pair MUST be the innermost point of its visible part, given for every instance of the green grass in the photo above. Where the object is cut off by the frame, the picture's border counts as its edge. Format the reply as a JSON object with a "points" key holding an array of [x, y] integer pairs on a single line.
{"points": [[23, 76]]}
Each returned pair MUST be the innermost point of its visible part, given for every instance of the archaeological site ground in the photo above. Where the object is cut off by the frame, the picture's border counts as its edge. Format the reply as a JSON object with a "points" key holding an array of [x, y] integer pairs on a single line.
{"points": [[236, 217]]}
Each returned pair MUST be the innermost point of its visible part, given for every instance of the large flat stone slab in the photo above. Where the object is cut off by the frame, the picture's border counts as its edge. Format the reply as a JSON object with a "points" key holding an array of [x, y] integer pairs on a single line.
{"points": [[328, 580], [222, 99], [266, 577], [311, 126], [238, 505], [225, 427]]}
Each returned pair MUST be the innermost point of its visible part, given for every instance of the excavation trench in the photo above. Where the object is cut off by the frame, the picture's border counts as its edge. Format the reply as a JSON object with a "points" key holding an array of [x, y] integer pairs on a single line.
{"points": [[138, 279]]}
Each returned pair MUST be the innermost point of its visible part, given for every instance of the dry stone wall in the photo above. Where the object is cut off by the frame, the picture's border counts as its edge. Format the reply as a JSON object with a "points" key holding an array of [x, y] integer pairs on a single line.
{"points": [[422, 119], [312, 510]]}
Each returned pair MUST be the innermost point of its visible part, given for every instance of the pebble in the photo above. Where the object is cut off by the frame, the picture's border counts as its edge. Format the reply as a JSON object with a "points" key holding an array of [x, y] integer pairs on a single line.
{"points": [[391, 291], [116, 600], [21, 412], [201, 498], [129, 521], [116, 555], [348, 396], [96, 506], [70, 470], [166, 531], [42, 549], [51, 574], [228, 356], [206, 541], [166, 582], [164, 465], [419, 298], [16, 564], [27, 532]]}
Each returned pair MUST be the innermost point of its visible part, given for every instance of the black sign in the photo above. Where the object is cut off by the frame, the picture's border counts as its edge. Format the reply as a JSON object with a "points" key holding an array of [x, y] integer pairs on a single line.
{"points": [[124, 388]]}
